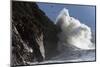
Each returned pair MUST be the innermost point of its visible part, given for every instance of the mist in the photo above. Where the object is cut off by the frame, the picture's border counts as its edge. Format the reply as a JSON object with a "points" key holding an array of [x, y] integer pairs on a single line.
{"points": [[74, 34]]}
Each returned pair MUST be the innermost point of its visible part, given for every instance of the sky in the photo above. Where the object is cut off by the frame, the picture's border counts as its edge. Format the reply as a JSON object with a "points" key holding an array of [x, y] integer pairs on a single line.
{"points": [[84, 13]]}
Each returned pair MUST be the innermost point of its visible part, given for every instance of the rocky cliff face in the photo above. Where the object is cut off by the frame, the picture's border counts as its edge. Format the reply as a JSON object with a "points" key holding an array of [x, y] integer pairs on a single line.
{"points": [[31, 28]]}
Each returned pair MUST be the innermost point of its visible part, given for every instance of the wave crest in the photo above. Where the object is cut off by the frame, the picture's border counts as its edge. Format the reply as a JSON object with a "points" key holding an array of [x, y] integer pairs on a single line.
{"points": [[74, 33]]}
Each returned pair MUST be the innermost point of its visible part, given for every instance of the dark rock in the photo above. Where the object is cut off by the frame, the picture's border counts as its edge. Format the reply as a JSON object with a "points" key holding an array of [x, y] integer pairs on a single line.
{"points": [[28, 24]]}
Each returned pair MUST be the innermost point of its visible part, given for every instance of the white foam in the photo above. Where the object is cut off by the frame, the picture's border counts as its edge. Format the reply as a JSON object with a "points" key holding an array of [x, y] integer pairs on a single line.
{"points": [[74, 33]]}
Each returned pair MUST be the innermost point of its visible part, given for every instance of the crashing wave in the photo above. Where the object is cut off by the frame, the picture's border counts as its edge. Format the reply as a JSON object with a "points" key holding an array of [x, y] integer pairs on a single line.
{"points": [[74, 33]]}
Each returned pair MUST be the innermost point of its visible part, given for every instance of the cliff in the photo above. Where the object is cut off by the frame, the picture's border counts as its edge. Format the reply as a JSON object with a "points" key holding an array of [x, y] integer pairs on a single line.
{"points": [[31, 27]]}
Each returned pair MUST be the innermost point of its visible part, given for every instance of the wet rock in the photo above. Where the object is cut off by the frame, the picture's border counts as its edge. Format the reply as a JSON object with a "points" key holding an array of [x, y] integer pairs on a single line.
{"points": [[29, 23]]}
